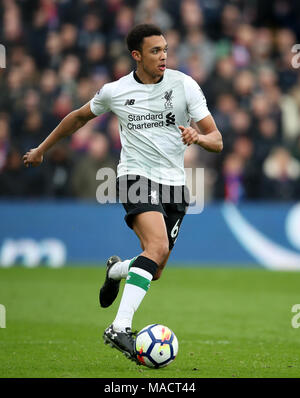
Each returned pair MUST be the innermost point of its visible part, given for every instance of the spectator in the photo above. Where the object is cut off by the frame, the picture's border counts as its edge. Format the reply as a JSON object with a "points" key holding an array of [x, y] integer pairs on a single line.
{"points": [[244, 86], [81, 139], [226, 106], [53, 49], [18, 182], [267, 138], [281, 176], [69, 39], [150, 11], [221, 79], [49, 88], [230, 184], [191, 16], [32, 130], [230, 19], [59, 172], [84, 183], [242, 45], [262, 47], [13, 178], [91, 30], [196, 44]]}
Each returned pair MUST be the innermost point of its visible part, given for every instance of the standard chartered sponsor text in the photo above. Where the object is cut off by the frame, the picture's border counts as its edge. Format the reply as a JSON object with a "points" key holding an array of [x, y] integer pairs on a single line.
{"points": [[150, 120]]}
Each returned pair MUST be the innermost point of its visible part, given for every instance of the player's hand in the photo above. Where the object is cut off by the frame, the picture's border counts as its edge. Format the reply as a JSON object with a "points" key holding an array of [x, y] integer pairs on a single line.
{"points": [[189, 135], [34, 157]]}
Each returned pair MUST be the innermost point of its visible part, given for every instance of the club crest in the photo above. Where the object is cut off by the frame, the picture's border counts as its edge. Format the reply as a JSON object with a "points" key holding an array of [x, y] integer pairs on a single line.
{"points": [[168, 97]]}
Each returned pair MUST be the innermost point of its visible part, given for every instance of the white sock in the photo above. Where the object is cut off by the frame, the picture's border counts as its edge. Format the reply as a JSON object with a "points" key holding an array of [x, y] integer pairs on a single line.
{"points": [[119, 270], [136, 286]]}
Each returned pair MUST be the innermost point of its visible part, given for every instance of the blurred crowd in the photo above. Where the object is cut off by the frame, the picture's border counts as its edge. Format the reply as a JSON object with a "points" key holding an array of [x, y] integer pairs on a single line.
{"points": [[60, 52]]}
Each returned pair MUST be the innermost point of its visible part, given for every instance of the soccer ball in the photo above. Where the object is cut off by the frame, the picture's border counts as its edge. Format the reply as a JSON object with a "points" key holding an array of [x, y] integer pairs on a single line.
{"points": [[156, 346]]}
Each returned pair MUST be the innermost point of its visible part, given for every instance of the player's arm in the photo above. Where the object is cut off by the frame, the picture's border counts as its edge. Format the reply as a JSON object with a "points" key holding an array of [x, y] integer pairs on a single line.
{"points": [[71, 123], [208, 136]]}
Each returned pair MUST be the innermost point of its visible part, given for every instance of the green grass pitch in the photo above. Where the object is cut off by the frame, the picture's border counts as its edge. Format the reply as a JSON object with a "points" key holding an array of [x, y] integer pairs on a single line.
{"points": [[230, 323]]}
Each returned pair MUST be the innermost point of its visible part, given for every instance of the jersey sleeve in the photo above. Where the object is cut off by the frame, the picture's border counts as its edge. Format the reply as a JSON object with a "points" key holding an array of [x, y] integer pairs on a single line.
{"points": [[101, 101], [196, 101]]}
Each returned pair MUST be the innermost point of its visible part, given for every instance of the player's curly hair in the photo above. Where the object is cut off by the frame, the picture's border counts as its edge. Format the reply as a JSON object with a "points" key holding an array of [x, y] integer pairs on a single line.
{"points": [[137, 34]]}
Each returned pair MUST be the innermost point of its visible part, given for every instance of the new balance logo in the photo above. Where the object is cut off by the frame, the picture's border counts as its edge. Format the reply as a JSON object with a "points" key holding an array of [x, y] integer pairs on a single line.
{"points": [[170, 119], [130, 102]]}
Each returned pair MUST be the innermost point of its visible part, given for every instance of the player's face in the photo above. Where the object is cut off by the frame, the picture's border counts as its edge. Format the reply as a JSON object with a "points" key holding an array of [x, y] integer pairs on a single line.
{"points": [[153, 57]]}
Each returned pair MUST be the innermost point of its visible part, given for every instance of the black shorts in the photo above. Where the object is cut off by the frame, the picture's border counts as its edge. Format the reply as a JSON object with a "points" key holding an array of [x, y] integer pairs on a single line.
{"points": [[139, 194]]}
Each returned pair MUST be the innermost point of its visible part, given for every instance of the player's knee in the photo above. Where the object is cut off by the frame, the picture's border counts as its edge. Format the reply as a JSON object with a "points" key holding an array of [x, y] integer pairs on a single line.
{"points": [[159, 249], [162, 249]]}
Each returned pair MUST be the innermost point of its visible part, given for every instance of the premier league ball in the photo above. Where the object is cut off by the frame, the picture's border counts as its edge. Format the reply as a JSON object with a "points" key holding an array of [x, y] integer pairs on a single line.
{"points": [[156, 346]]}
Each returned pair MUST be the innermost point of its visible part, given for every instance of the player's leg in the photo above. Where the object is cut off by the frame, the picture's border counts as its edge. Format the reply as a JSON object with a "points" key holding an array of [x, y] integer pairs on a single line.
{"points": [[117, 269], [175, 211], [120, 268], [173, 226], [161, 267], [157, 236], [154, 239], [150, 228]]}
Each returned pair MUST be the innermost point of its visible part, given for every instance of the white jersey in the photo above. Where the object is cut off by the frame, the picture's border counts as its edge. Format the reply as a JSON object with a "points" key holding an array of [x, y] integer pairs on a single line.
{"points": [[149, 116]]}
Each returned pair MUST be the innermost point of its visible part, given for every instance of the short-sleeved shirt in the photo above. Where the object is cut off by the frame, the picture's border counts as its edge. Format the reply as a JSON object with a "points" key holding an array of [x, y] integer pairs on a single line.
{"points": [[149, 116]]}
